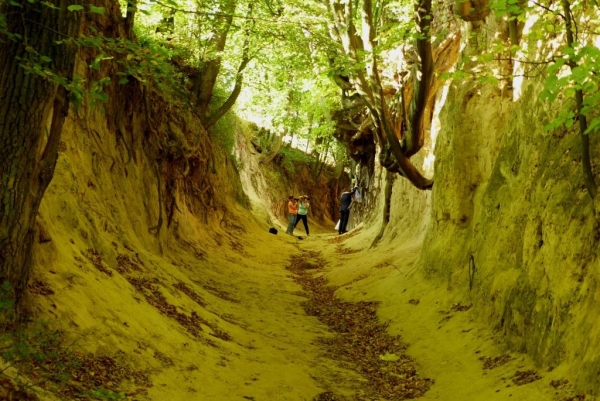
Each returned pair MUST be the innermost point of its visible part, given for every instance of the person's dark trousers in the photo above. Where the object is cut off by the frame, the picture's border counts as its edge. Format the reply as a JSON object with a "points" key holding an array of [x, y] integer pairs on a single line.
{"points": [[304, 219], [344, 214]]}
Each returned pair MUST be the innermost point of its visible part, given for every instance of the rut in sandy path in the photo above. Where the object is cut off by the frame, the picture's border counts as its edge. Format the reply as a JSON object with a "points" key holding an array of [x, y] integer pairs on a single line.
{"points": [[361, 342], [447, 341]]}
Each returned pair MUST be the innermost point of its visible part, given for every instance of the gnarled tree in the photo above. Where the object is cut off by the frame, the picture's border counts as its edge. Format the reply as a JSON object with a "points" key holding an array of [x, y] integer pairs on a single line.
{"points": [[399, 123], [36, 65]]}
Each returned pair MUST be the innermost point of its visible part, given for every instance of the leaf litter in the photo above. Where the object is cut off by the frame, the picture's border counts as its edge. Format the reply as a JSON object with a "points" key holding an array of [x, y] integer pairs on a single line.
{"points": [[361, 341]]}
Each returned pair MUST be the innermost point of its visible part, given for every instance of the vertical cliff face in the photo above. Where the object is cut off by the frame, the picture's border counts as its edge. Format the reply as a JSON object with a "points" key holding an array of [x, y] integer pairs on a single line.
{"points": [[512, 226]]}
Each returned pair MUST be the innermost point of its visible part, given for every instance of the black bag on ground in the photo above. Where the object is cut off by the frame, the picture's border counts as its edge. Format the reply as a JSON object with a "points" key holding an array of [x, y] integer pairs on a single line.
{"points": [[273, 230]]}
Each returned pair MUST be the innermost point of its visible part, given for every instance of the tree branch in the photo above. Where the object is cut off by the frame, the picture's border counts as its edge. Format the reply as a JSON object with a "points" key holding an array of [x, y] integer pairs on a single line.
{"points": [[588, 175], [220, 112]]}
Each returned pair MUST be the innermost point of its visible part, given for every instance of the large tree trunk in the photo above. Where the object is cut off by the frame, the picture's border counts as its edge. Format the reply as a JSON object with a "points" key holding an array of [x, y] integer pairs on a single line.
{"points": [[207, 77], [419, 116], [367, 82], [32, 113], [228, 104], [387, 206]]}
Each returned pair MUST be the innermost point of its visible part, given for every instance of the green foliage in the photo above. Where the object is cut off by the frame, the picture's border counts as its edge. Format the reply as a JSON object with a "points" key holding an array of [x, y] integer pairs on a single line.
{"points": [[576, 69], [290, 158], [146, 61], [223, 133], [96, 10], [567, 69]]}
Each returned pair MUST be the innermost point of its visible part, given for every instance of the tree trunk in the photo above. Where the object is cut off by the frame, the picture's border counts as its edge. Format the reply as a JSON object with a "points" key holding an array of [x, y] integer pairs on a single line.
{"points": [[389, 185], [277, 145], [207, 77], [239, 78], [32, 113], [422, 85], [130, 18], [367, 82], [586, 165]]}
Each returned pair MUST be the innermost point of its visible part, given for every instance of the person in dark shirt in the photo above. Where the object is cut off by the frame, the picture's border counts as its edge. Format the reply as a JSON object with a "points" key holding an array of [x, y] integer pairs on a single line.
{"points": [[345, 203]]}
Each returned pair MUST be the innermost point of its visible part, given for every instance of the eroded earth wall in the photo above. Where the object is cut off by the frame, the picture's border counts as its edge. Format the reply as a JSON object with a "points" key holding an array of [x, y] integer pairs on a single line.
{"points": [[512, 227]]}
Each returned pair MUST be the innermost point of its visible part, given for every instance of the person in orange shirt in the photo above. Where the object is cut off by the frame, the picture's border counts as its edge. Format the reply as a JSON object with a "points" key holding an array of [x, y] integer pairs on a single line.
{"points": [[292, 214]]}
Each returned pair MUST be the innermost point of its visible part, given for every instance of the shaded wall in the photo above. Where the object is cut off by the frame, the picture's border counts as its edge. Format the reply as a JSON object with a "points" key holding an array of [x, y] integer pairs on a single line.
{"points": [[513, 228]]}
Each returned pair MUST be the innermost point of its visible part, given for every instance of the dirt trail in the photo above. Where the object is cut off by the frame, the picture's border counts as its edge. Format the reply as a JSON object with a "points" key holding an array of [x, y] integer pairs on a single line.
{"points": [[462, 356], [214, 313]]}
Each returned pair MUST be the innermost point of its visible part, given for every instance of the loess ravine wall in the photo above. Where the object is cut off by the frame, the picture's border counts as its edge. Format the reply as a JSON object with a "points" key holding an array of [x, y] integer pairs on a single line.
{"points": [[509, 225]]}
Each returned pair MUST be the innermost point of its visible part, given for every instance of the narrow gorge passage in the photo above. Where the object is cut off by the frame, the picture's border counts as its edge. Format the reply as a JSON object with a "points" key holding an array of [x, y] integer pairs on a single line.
{"points": [[149, 150], [455, 358]]}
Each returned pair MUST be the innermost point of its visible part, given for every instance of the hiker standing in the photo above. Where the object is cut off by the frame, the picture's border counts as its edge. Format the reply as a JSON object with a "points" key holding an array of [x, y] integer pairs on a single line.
{"points": [[292, 214], [345, 203], [303, 206]]}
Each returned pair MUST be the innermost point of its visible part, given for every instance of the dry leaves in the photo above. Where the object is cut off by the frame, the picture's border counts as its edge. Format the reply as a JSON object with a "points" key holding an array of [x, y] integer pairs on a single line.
{"points": [[525, 376], [491, 363], [342, 250], [181, 286], [9, 391], [154, 297], [559, 383], [93, 256], [460, 307], [329, 396], [339, 238], [361, 340], [72, 375], [40, 288], [578, 397]]}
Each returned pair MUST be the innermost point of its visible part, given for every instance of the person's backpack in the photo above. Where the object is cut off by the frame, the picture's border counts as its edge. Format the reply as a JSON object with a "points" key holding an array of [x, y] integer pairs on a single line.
{"points": [[357, 195]]}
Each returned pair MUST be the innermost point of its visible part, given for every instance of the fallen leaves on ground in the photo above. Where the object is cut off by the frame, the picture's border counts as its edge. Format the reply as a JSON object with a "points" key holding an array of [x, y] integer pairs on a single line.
{"points": [[339, 238], [94, 257], [559, 383], [45, 360], [342, 250], [40, 288], [361, 340], [460, 307], [150, 288], [491, 363], [10, 391], [525, 376], [329, 396], [183, 287]]}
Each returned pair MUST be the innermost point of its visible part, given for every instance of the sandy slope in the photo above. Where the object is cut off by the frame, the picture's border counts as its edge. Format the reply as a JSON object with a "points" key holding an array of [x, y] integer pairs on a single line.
{"points": [[447, 345], [118, 291], [257, 342]]}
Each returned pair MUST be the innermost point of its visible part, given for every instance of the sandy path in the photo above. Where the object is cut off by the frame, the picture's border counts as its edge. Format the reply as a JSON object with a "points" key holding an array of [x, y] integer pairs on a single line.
{"points": [[447, 345], [275, 352]]}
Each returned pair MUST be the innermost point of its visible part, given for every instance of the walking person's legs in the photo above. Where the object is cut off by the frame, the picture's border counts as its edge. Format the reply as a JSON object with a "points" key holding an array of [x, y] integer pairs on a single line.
{"points": [[298, 218], [344, 214], [305, 221], [291, 223]]}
